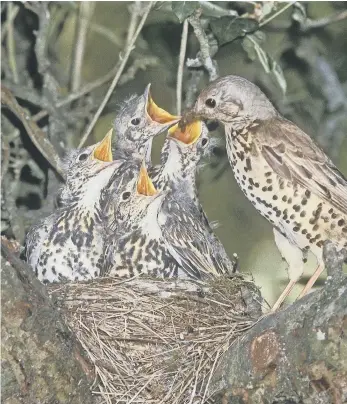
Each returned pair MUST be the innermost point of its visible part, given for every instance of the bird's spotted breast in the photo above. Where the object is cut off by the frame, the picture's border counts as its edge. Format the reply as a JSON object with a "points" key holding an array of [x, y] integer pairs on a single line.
{"points": [[297, 213]]}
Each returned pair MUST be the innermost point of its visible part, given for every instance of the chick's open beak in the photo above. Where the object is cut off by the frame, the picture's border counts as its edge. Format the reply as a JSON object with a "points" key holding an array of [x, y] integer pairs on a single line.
{"points": [[144, 184], [156, 113], [103, 150], [189, 134]]}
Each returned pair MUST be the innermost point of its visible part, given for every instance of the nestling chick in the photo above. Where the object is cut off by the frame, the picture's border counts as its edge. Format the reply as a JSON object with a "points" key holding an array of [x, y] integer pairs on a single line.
{"points": [[69, 244], [138, 121]]}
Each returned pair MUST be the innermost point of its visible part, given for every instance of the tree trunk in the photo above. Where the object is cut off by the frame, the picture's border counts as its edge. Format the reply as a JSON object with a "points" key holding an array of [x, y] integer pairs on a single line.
{"points": [[298, 355], [42, 363]]}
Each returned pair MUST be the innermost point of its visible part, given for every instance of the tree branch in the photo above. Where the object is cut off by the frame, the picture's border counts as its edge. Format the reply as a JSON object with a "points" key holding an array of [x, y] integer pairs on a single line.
{"points": [[205, 58], [42, 362], [37, 136], [122, 64], [180, 70], [293, 355]]}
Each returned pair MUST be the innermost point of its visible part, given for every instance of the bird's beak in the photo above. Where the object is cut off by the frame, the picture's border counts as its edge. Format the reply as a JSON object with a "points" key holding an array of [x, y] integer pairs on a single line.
{"points": [[144, 184], [188, 135], [103, 150], [157, 114]]}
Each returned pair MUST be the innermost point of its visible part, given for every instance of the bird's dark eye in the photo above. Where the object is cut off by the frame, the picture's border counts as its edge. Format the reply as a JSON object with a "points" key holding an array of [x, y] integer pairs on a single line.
{"points": [[83, 156], [126, 195], [135, 121], [204, 142], [210, 103]]}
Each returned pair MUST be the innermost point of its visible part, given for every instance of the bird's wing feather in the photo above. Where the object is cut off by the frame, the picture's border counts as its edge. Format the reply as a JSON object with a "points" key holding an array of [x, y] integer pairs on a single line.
{"points": [[293, 155], [190, 242]]}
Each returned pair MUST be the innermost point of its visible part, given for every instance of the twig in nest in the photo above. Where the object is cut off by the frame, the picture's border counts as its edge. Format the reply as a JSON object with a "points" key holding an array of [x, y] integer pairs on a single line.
{"points": [[37, 136], [85, 12], [206, 60], [122, 64], [11, 47], [182, 56]]}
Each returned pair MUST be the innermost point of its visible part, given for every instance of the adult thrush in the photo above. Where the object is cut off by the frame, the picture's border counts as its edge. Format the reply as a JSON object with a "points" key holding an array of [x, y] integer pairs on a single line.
{"points": [[69, 244], [137, 122], [281, 170]]}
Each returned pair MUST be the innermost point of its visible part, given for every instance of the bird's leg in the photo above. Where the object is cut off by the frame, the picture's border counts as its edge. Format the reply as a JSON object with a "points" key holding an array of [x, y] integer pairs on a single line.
{"points": [[312, 280], [284, 294], [294, 257]]}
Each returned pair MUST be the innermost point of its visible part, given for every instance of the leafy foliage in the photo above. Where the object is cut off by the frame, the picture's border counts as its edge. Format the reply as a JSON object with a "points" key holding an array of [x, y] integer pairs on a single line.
{"points": [[228, 29], [254, 50], [184, 9]]}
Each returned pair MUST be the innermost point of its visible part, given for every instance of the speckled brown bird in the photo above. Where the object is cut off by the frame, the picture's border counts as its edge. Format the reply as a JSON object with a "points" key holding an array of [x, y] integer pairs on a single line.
{"points": [[138, 121], [159, 234], [69, 243], [281, 170]]}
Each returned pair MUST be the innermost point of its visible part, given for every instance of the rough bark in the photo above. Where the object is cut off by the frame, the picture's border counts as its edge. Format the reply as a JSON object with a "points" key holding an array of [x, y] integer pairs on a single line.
{"points": [[42, 363], [297, 355]]}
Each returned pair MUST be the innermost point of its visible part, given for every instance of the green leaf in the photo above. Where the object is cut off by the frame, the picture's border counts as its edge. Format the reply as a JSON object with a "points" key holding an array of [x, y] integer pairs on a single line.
{"points": [[254, 50], [227, 29], [184, 9]]}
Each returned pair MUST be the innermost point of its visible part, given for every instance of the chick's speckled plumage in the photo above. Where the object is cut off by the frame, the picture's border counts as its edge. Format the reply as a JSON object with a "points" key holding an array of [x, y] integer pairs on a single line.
{"points": [[69, 244], [135, 244], [185, 215]]}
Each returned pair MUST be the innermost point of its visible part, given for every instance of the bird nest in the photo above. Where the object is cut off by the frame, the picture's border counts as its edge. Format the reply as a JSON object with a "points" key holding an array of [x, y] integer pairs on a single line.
{"points": [[156, 341]]}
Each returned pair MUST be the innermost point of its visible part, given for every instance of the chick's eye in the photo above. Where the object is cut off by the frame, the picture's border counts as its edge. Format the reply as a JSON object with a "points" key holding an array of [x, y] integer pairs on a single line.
{"points": [[204, 142], [125, 196], [135, 121], [83, 156], [210, 103]]}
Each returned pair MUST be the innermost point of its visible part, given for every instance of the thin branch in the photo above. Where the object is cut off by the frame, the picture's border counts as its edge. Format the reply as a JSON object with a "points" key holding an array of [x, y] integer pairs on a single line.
{"points": [[10, 18], [5, 157], [213, 10], [35, 133], [322, 22], [140, 63], [106, 33], [181, 59], [279, 12], [209, 64], [135, 13], [122, 65], [11, 46], [85, 12]]}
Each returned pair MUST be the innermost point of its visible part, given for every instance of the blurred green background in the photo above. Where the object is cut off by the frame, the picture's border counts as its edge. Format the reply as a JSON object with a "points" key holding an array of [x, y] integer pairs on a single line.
{"points": [[314, 64]]}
